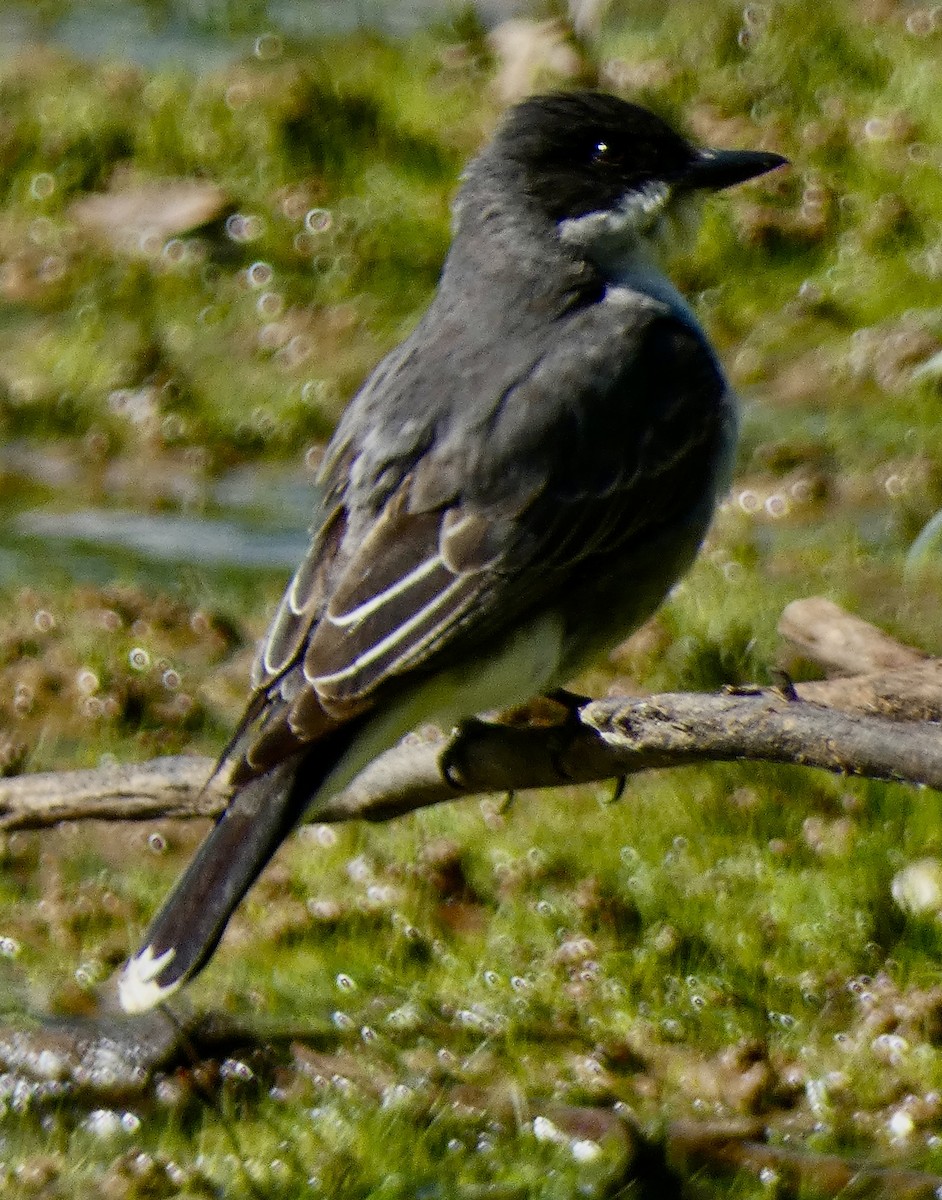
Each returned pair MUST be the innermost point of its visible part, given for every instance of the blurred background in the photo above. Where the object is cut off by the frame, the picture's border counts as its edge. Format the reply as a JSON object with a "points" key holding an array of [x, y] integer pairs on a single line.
{"points": [[215, 217]]}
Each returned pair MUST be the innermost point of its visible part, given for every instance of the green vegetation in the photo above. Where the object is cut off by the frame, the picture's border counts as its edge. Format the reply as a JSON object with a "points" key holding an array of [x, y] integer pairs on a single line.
{"points": [[722, 941]]}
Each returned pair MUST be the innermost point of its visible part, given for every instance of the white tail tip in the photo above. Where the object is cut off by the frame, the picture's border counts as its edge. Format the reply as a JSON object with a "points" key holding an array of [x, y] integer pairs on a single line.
{"points": [[138, 990]]}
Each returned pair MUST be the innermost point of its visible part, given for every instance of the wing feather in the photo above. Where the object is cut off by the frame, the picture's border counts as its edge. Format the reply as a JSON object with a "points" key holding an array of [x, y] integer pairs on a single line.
{"points": [[302, 603], [404, 644], [453, 540]]}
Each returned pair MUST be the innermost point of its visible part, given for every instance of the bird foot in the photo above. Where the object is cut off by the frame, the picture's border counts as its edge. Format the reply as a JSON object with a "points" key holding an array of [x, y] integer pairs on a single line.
{"points": [[782, 685], [449, 759], [572, 702], [541, 711]]}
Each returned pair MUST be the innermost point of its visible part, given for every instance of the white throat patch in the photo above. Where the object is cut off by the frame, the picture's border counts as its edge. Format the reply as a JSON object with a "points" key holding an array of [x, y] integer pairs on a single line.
{"points": [[615, 231], [624, 243]]}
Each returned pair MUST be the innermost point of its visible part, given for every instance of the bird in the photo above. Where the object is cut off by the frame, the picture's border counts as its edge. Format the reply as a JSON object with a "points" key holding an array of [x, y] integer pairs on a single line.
{"points": [[514, 489]]}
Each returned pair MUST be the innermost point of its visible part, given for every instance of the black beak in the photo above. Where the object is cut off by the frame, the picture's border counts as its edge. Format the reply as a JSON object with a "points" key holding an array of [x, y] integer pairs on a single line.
{"points": [[715, 169]]}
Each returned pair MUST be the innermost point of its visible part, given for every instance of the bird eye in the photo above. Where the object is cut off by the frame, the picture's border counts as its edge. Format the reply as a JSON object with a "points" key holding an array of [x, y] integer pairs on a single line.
{"points": [[600, 153]]}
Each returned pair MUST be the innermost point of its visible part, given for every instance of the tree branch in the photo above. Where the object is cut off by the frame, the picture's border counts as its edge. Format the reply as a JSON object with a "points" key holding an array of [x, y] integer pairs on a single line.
{"points": [[606, 739]]}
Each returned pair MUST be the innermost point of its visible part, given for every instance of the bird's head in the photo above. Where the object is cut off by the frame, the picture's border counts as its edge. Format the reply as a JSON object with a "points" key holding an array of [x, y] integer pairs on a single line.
{"points": [[604, 170]]}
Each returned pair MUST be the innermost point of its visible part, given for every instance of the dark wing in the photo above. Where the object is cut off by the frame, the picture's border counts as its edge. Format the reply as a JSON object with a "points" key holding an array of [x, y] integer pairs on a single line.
{"points": [[612, 430]]}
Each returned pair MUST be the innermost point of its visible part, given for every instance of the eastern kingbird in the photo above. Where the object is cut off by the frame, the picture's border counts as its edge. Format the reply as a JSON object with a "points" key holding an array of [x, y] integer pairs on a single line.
{"points": [[510, 494]]}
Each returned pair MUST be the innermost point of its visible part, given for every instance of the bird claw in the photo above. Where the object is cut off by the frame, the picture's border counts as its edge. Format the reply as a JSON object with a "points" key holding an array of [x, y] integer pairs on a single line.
{"points": [[448, 762], [618, 789], [448, 759], [572, 702], [783, 684]]}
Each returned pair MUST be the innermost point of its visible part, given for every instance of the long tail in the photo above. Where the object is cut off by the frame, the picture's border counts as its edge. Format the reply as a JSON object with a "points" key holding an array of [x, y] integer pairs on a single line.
{"points": [[186, 931]]}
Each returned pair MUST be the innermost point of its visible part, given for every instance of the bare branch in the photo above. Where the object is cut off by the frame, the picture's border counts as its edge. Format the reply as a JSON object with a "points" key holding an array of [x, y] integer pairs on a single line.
{"points": [[614, 738], [165, 787], [606, 739]]}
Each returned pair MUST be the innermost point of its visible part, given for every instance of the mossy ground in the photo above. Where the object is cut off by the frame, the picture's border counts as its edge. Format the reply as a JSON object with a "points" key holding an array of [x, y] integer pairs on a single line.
{"points": [[723, 940]]}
